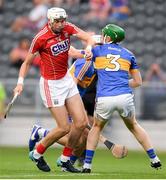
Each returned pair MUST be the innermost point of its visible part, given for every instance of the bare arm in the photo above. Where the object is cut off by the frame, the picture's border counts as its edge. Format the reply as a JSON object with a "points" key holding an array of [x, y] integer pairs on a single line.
{"points": [[89, 41], [136, 80], [75, 53], [26, 65], [23, 72], [86, 37]]}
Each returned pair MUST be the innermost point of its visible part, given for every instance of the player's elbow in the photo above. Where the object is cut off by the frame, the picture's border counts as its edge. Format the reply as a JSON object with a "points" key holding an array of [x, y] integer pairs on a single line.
{"points": [[136, 79], [138, 83]]}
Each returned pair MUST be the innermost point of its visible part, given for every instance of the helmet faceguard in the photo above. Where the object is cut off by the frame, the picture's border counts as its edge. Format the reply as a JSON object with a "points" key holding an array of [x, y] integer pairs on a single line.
{"points": [[116, 33], [56, 14]]}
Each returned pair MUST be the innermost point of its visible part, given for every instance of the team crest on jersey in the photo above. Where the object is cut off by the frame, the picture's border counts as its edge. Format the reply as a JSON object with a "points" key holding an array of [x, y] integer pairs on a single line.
{"points": [[50, 41], [60, 47], [66, 35]]}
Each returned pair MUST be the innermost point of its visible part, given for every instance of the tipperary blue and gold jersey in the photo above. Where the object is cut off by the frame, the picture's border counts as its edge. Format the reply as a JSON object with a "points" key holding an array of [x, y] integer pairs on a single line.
{"points": [[84, 71], [113, 64]]}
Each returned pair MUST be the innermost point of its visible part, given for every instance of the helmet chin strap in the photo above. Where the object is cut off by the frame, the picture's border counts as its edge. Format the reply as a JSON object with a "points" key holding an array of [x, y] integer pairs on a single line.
{"points": [[105, 40]]}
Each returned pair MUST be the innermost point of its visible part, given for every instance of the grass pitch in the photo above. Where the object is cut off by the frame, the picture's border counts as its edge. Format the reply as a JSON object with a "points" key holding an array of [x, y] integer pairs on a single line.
{"points": [[15, 164]]}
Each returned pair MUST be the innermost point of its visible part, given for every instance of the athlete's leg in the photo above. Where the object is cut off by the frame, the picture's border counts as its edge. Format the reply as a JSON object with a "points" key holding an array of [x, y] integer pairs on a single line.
{"points": [[81, 144], [54, 93], [139, 133], [92, 141], [76, 110], [39, 133], [126, 110], [94, 134], [63, 140], [60, 116], [143, 138]]}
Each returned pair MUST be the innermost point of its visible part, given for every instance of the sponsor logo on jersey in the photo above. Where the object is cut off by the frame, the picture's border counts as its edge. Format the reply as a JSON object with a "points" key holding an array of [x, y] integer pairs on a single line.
{"points": [[113, 48], [60, 47]]}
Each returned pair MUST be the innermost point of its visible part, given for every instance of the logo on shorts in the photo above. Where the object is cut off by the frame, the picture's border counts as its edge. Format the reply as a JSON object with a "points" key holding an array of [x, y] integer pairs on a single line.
{"points": [[56, 101]]}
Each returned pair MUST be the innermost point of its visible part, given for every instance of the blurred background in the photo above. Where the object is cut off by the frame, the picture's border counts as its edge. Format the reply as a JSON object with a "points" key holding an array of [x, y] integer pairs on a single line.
{"points": [[145, 26]]}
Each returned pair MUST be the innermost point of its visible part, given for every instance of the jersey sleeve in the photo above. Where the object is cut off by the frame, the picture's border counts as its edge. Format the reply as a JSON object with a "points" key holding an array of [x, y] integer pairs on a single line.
{"points": [[35, 45], [72, 29], [81, 70], [94, 52], [134, 66]]}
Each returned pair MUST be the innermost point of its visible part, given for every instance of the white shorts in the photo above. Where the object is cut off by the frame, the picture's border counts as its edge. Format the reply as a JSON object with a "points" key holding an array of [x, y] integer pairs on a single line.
{"points": [[55, 92], [123, 104]]}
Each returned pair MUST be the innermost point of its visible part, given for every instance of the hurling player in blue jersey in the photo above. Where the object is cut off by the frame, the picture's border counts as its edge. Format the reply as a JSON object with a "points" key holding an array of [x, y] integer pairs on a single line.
{"points": [[113, 64]]}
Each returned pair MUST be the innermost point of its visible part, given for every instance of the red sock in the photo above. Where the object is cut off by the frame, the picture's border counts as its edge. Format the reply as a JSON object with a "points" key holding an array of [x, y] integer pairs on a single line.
{"points": [[40, 148], [67, 151]]}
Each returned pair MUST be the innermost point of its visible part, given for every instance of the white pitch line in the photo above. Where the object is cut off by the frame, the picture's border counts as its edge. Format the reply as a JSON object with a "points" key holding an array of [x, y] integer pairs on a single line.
{"points": [[49, 175]]}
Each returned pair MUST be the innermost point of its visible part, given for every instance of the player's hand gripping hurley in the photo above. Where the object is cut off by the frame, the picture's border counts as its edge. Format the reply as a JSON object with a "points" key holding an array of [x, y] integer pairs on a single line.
{"points": [[10, 105]]}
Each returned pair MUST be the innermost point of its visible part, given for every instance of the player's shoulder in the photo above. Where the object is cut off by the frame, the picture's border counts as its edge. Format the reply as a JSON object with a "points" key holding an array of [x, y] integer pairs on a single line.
{"points": [[127, 51], [96, 48], [127, 54], [70, 26], [42, 33]]}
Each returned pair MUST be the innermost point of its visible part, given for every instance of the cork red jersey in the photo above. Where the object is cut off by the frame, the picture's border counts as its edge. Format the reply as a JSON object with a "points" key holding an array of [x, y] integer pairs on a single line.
{"points": [[53, 49]]}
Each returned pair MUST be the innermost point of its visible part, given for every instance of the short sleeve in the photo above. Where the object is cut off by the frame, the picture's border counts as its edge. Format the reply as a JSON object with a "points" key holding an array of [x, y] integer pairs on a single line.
{"points": [[72, 29], [35, 45], [81, 69], [94, 52], [133, 63]]}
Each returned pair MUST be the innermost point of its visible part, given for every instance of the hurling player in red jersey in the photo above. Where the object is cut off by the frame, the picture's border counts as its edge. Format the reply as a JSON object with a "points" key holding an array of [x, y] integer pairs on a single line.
{"points": [[57, 88]]}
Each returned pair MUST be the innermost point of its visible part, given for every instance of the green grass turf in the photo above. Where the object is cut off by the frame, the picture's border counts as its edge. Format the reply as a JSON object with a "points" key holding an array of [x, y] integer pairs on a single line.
{"points": [[14, 164]]}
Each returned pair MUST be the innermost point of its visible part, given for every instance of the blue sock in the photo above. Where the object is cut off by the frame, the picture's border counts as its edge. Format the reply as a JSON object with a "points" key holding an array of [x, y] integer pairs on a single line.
{"points": [[89, 156], [151, 153], [73, 159]]}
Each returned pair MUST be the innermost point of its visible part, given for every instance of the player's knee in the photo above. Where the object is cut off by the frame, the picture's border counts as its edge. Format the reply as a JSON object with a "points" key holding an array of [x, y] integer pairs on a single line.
{"points": [[133, 126], [81, 124], [65, 130]]}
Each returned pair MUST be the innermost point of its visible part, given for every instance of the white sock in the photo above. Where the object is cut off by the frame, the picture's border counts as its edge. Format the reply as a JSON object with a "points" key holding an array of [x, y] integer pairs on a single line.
{"points": [[64, 158], [155, 160], [36, 155], [87, 166], [41, 132]]}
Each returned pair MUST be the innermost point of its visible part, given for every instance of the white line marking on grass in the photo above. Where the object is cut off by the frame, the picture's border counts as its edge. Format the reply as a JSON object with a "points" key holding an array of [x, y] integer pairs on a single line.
{"points": [[48, 175]]}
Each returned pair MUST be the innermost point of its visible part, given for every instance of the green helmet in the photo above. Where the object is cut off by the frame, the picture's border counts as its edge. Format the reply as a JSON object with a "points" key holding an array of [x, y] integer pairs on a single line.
{"points": [[116, 33]]}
